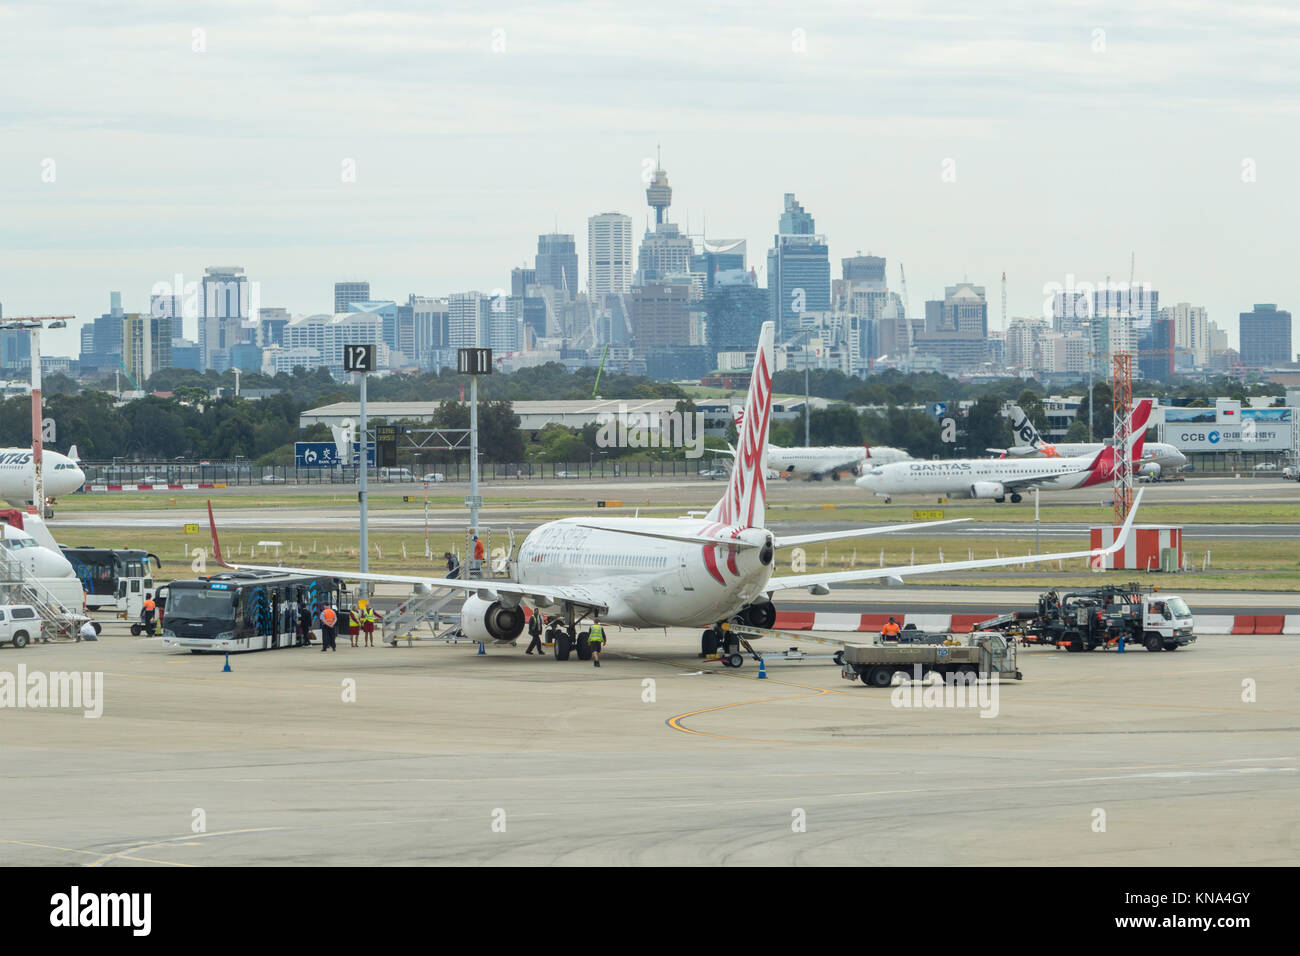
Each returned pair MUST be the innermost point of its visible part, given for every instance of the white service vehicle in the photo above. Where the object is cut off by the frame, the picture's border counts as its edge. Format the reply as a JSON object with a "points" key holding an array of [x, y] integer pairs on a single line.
{"points": [[19, 624]]}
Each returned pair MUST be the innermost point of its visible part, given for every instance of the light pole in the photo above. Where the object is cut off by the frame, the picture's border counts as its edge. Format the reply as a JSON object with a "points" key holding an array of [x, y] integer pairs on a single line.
{"points": [[361, 359]]}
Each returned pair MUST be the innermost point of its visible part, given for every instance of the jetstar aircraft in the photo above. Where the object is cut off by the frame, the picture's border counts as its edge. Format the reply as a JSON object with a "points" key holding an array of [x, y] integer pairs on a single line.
{"points": [[1157, 457], [1000, 478], [664, 572]]}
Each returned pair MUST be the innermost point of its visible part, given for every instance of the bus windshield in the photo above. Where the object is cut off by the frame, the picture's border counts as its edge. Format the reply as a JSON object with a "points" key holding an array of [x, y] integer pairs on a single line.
{"points": [[193, 604]]}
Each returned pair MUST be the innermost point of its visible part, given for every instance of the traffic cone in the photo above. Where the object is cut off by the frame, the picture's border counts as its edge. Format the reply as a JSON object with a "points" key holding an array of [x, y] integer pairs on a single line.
{"points": [[226, 669], [480, 648], [762, 669], [1121, 644]]}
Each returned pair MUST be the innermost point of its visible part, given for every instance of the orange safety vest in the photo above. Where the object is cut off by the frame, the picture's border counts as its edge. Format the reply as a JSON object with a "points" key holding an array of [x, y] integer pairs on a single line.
{"points": [[478, 550], [890, 629], [328, 617]]}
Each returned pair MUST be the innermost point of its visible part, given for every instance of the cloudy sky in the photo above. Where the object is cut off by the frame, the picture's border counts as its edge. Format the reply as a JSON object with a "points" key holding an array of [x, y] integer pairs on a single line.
{"points": [[183, 135]]}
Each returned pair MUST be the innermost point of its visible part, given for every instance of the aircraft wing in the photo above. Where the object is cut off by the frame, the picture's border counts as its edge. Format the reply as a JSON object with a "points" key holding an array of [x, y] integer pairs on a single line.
{"points": [[789, 541], [487, 588], [895, 575]]}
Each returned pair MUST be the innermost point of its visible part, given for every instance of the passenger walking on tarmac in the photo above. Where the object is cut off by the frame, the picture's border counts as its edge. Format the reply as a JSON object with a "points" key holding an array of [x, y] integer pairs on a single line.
{"points": [[304, 620], [535, 625], [453, 565], [476, 563], [595, 639], [891, 630], [354, 624], [328, 618], [368, 618]]}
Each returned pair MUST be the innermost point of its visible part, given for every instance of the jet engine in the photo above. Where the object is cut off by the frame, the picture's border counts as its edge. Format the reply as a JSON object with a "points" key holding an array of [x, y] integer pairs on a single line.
{"points": [[987, 489], [482, 620], [1149, 469]]}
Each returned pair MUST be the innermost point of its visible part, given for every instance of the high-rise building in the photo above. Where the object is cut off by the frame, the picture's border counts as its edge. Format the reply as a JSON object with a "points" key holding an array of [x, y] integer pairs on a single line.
{"points": [[430, 317], [270, 326], [660, 314], [557, 263], [387, 310], [469, 320], [1023, 340], [1070, 311], [146, 345], [226, 304], [720, 260], [957, 330], [346, 293], [16, 350], [1155, 358], [798, 270], [1191, 330], [867, 271], [1265, 336], [734, 314], [665, 253], [101, 349], [521, 279], [609, 254]]}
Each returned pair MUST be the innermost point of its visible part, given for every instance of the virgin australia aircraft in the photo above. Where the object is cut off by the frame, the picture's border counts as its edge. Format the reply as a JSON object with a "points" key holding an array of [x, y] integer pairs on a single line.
{"points": [[1000, 478], [664, 572]]}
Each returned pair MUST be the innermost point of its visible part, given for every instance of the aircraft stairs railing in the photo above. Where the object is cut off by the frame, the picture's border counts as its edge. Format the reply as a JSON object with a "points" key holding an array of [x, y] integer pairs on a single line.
{"points": [[423, 609], [19, 587]]}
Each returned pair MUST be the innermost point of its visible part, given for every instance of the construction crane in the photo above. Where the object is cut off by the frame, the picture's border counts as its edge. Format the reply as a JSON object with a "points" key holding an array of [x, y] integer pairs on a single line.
{"points": [[33, 325]]}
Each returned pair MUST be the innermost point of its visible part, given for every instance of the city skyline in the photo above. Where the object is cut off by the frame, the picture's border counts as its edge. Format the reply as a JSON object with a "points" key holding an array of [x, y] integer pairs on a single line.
{"points": [[1061, 163]]}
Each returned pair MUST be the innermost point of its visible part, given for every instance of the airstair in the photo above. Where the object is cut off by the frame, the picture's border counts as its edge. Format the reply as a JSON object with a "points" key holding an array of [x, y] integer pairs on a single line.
{"points": [[17, 586], [424, 609]]}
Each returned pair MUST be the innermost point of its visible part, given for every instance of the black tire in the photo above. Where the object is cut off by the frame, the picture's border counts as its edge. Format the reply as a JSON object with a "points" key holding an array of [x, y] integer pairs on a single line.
{"points": [[1153, 643], [734, 660], [839, 658], [135, 630], [1015, 499], [1172, 647], [709, 643], [562, 647], [20, 639], [1074, 639], [584, 647], [880, 676]]}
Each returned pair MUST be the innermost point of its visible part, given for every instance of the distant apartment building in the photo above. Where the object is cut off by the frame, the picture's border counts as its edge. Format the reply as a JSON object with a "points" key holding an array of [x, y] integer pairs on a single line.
{"points": [[146, 345], [325, 335], [478, 320], [609, 254], [660, 315], [957, 330], [1265, 336], [1023, 338], [1191, 331]]}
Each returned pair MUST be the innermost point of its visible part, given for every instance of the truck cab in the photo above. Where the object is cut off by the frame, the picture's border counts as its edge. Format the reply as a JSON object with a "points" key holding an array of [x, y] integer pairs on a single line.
{"points": [[1166, 621]]}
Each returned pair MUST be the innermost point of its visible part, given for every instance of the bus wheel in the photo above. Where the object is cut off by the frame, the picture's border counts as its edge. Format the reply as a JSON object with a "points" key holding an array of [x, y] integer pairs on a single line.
{"points": [[1153, 643]]}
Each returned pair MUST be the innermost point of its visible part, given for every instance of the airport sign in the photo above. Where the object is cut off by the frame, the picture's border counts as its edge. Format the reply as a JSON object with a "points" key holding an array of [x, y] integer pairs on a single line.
{"points": [[324, 454]]}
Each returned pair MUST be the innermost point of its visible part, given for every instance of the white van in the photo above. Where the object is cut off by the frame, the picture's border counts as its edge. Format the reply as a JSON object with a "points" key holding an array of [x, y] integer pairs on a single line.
{"points": [[19, 624]]}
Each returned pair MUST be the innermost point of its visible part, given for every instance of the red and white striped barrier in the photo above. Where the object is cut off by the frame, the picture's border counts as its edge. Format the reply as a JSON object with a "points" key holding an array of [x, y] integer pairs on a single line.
{"points": [[186, 487], [1142, 550], [964, 623]]}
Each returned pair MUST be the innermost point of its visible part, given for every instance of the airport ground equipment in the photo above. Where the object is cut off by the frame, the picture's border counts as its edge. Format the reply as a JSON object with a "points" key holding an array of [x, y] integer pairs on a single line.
{"points": [[729, 639], [60, 618], [1100, 617], [423, 609], [979, 655]]}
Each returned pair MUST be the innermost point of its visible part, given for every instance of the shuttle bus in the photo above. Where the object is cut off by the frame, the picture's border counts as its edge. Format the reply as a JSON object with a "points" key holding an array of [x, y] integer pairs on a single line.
{"points": [[117, 579], [242, 610]]}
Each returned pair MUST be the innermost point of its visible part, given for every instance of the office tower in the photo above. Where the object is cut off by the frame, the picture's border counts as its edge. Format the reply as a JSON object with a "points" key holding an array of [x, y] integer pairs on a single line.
{"points": [[225, 305], [557, 262], [522, 279], [386, 309], [1191, 331], [315, 341], [101, 338], [720, 260], [430, 317], [1023, 343], [469, 320], [957, 329], [660, 314], [16, 350], [1071, 310], [734, 314], [1139, 305], [609, 254], [868, 271], [1265, 336], [270, 326], [798, 270], [146, 345], [1155, 357], [346, 293]]}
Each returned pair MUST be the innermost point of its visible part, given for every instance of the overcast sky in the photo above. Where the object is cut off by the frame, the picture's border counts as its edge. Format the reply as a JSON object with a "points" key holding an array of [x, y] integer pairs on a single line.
{"points": [[1079, 133]]}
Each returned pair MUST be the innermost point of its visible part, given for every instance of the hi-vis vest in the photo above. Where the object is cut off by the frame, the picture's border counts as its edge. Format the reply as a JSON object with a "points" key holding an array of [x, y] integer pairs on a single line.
{"points": [[369, 617], [597, 635], [328, 617], [352, 617], [890, 629]]}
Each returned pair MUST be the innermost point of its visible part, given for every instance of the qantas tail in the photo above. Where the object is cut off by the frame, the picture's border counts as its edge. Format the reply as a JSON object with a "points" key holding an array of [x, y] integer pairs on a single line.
{"points": [[744, 503]]}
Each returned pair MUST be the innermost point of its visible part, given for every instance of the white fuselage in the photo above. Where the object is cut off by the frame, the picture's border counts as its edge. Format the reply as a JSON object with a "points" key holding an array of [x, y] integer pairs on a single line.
{"points": [[955, 478], [647, 581], [1166, 456], [61, 475], [824, 460]]}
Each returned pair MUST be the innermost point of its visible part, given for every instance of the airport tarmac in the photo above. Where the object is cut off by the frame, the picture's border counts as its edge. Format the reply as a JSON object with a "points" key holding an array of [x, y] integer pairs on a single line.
{"points": [[449, 757]]}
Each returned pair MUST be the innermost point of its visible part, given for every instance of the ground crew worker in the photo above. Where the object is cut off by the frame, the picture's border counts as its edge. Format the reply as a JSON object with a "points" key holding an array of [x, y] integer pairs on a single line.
{"points": [[147, 614], [304, 620], [368, 618], [535, 625], [476, 564], [354, 624], [453, 565], [891, 630], [595, 639], [88, 632], [328, 618]]}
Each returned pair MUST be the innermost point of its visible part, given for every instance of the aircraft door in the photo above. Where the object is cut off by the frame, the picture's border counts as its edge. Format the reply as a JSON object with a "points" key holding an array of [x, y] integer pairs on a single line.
{"points": [[684, 574]]}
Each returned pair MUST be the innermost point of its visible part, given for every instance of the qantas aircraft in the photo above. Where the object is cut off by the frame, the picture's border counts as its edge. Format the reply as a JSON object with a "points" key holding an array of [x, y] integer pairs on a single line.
{"points": [[1000, 478], [61, 474], [1157, 457], [664, 572]]}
